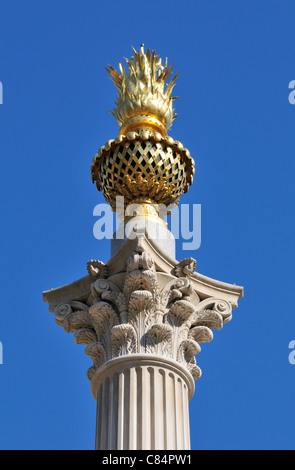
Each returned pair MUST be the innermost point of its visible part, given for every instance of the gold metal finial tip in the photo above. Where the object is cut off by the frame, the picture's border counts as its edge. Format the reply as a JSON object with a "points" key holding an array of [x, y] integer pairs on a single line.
{"points": [[143, 99], [143, 164]]}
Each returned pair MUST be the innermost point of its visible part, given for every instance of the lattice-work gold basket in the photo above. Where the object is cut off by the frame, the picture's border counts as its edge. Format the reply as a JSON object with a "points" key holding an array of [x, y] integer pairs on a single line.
{"points": [[142, 166]]}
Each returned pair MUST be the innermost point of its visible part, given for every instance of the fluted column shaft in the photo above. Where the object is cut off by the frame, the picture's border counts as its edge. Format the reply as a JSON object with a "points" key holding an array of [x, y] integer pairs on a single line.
{"points": [[142, 403]]}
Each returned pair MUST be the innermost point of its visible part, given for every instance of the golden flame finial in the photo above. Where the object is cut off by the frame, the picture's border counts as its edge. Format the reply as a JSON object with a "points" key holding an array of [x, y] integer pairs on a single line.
{"points": [[143, 101], [143, 164]]}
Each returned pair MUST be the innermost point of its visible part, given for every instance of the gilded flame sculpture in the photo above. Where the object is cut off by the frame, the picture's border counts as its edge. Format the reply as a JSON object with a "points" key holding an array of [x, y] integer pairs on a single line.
{"points": [[141, 93], [143, 164]]}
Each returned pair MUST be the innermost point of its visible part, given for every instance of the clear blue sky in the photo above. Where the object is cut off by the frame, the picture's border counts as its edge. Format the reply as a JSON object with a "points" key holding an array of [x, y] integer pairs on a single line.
{"points": [[235, 60]]}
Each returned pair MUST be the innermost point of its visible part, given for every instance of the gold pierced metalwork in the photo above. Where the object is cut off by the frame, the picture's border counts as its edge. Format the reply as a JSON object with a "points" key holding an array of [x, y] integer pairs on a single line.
{"points": [[143, 166]]}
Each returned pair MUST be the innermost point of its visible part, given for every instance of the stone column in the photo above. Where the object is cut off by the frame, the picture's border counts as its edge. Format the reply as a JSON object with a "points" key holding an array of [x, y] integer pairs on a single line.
{"points": [[142, 403]]}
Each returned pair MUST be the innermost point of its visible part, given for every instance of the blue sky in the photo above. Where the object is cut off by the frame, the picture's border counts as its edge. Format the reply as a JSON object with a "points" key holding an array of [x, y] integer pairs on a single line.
{"points": [[235, 61]]}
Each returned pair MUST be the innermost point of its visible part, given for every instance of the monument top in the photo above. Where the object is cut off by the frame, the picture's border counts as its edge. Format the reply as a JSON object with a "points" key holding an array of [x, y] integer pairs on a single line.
{"points": [[143, 164]]}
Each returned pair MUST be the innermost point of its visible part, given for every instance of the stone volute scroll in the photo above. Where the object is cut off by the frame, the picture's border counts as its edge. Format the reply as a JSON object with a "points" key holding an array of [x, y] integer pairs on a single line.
{"points": [[142, 315]]}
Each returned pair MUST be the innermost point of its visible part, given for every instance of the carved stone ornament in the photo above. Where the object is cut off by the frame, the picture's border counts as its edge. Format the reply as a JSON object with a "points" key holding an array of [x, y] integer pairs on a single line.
{"points": [[186, 267], [145, 307], [97, 269]]}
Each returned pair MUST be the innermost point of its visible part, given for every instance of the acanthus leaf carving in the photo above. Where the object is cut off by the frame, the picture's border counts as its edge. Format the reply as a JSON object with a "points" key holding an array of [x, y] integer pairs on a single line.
{"points": [[201, 334], [104, 319], [77, 320], [124, 340], [96, 351], [186, 355], [140, 300], [187, 350], [141, 317], [85, 336], [180, 313], [158, 339], [194, 370], [208, 318]]}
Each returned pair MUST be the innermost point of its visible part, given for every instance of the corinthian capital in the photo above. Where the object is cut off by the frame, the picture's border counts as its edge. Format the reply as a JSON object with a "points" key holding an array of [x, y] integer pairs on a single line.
{"points": [[141, 308]]}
